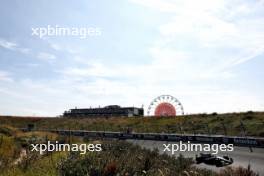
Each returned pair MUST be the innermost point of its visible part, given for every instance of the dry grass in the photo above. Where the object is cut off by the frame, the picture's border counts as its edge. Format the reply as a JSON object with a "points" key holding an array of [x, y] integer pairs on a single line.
{"points": [[238, 171], [200, 123]]}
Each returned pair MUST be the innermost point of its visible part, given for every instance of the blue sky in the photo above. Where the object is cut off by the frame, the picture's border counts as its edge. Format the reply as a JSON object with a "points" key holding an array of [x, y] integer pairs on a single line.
{"points": [[208, 54]]}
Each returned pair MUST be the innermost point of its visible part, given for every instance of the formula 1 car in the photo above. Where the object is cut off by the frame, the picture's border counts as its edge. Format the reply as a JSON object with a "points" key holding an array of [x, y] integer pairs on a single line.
{"points": [[214, 160]]}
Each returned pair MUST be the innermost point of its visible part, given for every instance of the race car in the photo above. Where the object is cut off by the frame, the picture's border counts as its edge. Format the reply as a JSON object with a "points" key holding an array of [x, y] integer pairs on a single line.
{"points": [[214, 160]]}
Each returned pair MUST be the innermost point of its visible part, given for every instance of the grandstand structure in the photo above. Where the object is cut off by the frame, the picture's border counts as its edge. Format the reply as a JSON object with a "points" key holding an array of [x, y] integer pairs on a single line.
{"points": [[107, 111]]}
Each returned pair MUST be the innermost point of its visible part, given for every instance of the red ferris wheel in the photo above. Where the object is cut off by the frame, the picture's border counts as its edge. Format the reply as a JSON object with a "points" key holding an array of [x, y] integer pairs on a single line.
{"points": [[165, 105]]}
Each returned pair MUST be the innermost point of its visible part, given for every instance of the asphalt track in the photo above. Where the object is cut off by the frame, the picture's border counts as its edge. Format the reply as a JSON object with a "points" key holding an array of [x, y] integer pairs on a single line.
{"points": [[241, 155]]}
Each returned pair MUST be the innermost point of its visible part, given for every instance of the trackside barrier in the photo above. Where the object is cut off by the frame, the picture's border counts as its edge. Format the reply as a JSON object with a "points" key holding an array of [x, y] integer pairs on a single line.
{"points": [[216, 139]]}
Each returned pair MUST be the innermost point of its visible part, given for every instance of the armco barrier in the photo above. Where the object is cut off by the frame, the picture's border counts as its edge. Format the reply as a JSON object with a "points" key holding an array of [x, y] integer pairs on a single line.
{"points": [[236, 140]]}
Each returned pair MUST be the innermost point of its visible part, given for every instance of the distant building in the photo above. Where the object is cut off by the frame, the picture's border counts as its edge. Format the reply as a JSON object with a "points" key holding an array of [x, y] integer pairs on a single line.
{"points": [[107, 111]]}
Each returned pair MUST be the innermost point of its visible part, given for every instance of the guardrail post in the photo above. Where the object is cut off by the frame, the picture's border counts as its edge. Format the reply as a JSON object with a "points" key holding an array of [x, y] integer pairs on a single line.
{"points": [[1, 140], [180, 128], [70, 142], [168, 128], [208, 129], [224, 127], [245, 133], [193, 128], [243, 128]]}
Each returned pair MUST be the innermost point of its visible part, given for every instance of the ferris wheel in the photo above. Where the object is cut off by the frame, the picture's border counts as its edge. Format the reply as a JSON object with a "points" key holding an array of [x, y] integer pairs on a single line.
{"points": [[165, 105]]}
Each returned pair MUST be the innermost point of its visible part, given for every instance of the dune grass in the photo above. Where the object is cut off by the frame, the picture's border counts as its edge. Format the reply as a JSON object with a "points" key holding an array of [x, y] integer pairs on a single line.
{"points": [[230, 124]]}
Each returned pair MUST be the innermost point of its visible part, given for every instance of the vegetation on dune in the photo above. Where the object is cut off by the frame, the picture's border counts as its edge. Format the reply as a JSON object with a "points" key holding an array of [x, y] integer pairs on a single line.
{"points": [[117, 158], [122, 158], [8, 151], [230, 124], [238, 171]]}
